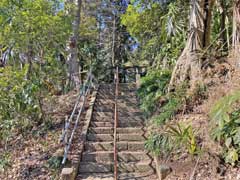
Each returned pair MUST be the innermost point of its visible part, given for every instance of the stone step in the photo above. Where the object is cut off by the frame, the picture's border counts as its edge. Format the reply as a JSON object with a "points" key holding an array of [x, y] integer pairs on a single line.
{"points": [[140, 167], [131, 137], [129, 123], [99, 137], [101, 130], [121, 176], [101, 124], [110, 130], [108, 146], [98, 146], [128, 100], [108, 156], [93, 167], [131, 130], [120, 137], [108, 109]]}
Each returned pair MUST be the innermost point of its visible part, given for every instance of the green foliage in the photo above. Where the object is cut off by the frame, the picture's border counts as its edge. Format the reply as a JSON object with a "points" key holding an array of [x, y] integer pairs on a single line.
{"points": [[153, 87], [173, 103], [225, 117], [5, 161], [184, 135], [54, 162], [160, 29], [19, 105], [173, 137], [159, 143]]}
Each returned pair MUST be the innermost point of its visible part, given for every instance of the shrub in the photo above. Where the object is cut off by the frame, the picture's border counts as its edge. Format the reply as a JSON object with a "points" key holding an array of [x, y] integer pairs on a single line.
{"points": [[173, 103], [153, 87], [173, 137], [225, 121], [19, 105]]}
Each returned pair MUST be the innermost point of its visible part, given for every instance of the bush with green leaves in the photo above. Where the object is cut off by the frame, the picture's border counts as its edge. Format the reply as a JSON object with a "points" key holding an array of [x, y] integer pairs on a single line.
{"points": [[173, 137], [19, 105], [174, 101], [153, 87], [225, 120], [5, 160]]}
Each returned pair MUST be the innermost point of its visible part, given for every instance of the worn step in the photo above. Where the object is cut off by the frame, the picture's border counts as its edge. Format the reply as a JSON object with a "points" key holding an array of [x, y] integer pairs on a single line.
{"points": [[99, 137], [98, 146], [101, 130], [108, 167], [98, 156], [121, 176], [109, 130], [108, 156], [92, 167], [140, 167], [121, 146], [129, 123], [95, 176], [104, 108], [130, 130], [102, 124], [131, 137]]}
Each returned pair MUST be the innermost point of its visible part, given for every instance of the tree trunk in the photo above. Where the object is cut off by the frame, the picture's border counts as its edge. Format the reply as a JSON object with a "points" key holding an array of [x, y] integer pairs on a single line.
{"points": [[223, 25], [236, 32], [188, 66], [73, 63]]}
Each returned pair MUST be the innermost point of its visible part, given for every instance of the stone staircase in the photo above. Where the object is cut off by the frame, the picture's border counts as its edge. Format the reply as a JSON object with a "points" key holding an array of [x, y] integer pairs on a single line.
{"points": [[97, 160]]}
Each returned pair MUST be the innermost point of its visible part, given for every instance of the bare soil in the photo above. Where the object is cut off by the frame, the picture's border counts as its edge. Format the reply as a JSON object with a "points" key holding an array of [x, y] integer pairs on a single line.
{"points": [[221, 78], [31, 154]]}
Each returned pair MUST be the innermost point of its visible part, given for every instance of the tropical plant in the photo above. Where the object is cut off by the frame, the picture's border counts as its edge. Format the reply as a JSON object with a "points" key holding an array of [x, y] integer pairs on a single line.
{"points": [[171, 138], [225, 116], [153, 87]]}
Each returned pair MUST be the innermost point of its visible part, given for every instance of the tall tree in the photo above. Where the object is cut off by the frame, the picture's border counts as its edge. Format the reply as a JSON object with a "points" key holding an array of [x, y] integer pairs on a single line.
{"points": [[188, 66], [236, 30], [73, 61]]}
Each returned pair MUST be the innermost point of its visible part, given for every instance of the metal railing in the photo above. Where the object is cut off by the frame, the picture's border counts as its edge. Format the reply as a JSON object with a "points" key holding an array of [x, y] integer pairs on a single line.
{"points": [[116, 124], [87, 85]]}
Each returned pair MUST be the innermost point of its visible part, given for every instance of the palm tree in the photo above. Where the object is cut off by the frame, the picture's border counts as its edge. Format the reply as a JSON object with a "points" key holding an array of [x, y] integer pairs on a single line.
{"points": [[188, 66]]}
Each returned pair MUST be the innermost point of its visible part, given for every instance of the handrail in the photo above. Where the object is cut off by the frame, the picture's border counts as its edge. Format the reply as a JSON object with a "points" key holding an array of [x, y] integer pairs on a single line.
{"points": [[83, 94], [116, 125]]}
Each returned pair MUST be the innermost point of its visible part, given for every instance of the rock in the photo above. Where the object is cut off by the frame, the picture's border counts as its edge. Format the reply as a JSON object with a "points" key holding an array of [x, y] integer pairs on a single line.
{"points": [[67, 174], [165, 171]]}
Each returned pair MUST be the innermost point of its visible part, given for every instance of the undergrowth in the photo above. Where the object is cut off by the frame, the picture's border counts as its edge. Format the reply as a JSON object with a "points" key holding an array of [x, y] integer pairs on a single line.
{"points": [[160, 107], [153, 87], [225, 121], [172, 138]]}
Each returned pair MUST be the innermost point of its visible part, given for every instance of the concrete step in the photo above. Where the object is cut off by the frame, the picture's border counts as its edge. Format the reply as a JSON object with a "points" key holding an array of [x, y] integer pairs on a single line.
{"points": [[101, 124], [108, 156], [103, 114], [131, 130], [121, 176], [128, 123], [140, 167], [98, 156], [110, 130], [120, 137], [129, 100], [99, 137], [93, 167], [98, 146], [108, 146], [101, 130], [131, 137]]}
